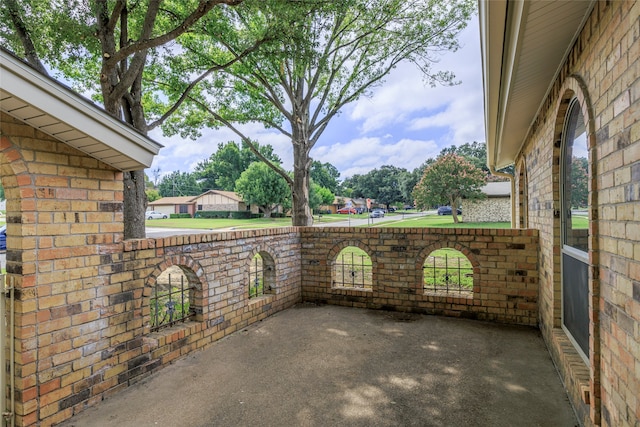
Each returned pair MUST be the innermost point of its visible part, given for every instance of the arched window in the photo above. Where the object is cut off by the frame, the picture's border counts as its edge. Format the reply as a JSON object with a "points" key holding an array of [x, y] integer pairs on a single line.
{"points": [[575, 228], [352, 268], [171, 299], [448, 271], [261, 275]]}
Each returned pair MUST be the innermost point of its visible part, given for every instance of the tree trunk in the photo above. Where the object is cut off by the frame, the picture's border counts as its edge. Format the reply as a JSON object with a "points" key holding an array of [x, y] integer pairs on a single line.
{"points": [[454, 210], [300, 192], [135, 205], [266, 211]]}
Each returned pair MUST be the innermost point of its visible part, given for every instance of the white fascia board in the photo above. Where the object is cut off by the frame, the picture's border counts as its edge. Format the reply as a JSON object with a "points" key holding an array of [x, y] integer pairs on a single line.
{"points": [[62, 103]]}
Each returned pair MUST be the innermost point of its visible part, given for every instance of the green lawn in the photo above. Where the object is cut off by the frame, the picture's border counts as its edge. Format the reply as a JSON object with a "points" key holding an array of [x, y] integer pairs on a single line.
{"points": [[438, 221]]}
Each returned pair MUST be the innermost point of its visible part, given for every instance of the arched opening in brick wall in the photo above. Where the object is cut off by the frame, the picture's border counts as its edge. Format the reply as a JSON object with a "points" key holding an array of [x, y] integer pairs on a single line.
{"points": [[351, 266], [174, 294], [262, 274], [448, 269]]}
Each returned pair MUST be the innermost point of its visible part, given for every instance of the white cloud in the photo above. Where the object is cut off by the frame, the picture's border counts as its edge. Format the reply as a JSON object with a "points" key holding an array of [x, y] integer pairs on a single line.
{"points": [[361, 155], [405, 100], [183, 155]]}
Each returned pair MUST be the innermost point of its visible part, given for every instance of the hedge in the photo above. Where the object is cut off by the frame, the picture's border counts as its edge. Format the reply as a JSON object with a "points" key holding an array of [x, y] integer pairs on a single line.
{"points": [[180, 215], [225, 214]]}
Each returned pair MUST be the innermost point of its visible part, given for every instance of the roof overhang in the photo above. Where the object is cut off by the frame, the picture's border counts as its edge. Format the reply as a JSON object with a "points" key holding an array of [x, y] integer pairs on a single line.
{"points": [[524, 45], [56, 110]]}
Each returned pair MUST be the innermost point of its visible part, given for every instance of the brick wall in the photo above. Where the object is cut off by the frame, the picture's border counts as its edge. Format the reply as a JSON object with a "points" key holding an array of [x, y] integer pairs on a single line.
{"points": [[82, 293], [602, 72], [505, 270]]}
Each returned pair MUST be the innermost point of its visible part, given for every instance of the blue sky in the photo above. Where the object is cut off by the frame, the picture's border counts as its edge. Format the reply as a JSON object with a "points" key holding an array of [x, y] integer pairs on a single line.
{"points": [[403, 123]]}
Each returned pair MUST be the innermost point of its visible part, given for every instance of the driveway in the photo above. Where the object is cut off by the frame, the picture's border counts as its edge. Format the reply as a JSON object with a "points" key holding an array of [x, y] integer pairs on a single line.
{"points": [[338, 366]]}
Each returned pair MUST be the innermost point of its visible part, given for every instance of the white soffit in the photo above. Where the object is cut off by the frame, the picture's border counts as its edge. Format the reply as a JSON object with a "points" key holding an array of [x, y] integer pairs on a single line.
{"points": [[56, 110], [524, 44]]}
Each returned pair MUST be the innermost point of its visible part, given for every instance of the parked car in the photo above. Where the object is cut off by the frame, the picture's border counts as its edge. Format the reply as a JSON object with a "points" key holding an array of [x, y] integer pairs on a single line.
{"points": [[377, 213], [407, 207], [446, 210], [155, 215], [3, 238], [347, 211], [359, 210], [391, 209]]}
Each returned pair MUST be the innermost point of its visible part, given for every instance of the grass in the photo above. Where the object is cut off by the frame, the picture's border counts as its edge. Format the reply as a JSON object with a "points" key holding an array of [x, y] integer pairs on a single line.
{"points": [[448, 269], [353, 269], [440, 221], [218, 223]]}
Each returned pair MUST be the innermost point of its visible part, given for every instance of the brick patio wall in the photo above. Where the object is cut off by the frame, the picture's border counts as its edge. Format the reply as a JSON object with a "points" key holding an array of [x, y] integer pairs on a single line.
{"points": [[602, 71], [82, 293], [505, 270]]}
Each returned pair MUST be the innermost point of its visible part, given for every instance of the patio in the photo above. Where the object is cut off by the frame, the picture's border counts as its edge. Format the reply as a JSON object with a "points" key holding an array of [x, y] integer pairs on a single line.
{"points": [[327, 365]]}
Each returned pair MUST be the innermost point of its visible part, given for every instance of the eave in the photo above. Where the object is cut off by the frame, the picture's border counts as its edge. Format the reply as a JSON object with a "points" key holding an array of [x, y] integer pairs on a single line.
{"points": [[524, 45], [56, 110]]}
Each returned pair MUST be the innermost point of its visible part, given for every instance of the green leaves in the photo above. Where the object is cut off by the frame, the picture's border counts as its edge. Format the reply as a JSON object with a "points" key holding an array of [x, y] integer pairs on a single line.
{"points": [[450, 178], [260, 185]]}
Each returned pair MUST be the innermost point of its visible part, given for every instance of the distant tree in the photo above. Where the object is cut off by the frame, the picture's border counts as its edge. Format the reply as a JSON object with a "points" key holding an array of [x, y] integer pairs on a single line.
{"points": [[2, 197], [179, 184], [407, 182], [152, 194], [449, 179], [260, 185], [382, 184], [579, 182], [224, 167], [319, 195], [476, 153], [325, 175], [156, 176]]}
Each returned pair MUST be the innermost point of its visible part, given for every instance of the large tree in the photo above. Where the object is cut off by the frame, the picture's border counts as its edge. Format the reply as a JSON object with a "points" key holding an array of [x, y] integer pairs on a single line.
{"points": [[325, 175], [122, 52], [325, 55], [260, 185], [224, 167], [384, 185], [446, 181]]}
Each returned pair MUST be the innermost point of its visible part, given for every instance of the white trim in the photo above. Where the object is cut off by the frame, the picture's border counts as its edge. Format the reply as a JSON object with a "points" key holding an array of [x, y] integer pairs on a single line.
{"points": [[57, 101]]}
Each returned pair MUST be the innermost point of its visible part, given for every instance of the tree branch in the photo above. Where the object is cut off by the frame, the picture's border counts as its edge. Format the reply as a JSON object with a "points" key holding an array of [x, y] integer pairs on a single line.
{"points": [[246, 140], [194, 83], [145, 43], [25, 38]]}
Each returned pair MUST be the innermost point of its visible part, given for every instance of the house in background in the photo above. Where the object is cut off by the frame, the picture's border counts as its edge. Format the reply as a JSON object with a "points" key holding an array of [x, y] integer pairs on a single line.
{"points": [[495, 208], [562, 98], [212, 200], [219, 200], [173, 205]]}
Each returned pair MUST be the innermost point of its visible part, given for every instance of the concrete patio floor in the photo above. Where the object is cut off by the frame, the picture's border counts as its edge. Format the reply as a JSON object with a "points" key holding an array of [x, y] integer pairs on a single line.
{"points": [[336, 366]]}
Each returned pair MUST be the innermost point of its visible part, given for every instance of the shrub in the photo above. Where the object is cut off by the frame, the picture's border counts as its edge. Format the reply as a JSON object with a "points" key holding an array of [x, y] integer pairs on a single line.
{"points": [[180, 215]]}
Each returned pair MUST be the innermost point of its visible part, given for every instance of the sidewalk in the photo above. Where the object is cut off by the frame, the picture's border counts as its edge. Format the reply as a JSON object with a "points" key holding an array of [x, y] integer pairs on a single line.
{"points": [[337, 366]]}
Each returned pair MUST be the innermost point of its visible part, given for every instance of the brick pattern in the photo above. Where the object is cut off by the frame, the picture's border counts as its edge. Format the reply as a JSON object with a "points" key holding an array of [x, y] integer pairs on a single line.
{"points": [[493, 209], [505, 266], [82, 293], [602, 72]]}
